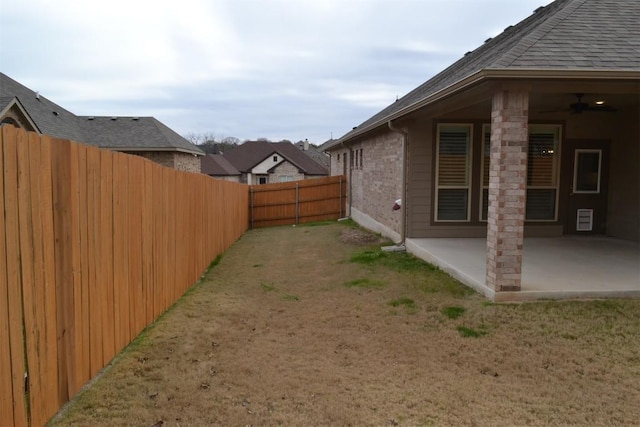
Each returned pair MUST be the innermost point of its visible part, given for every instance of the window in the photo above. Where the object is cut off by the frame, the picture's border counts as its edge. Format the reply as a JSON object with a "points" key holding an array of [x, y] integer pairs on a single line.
{"points": [[356, 159], [542, 172], [486, 159], [275, 158], [361, 158], [262, 180], [285, 178], [9, 121], [586, 174], [453, 172]]}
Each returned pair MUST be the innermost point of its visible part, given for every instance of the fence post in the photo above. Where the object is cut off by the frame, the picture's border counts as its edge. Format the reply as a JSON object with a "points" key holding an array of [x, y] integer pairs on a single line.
{"points": [[297, 202], [251, 190], [340, 200]]}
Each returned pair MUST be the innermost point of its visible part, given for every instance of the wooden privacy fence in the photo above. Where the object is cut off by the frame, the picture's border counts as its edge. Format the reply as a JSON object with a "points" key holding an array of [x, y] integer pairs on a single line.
{"points": [[94, 245], [297, 202]]}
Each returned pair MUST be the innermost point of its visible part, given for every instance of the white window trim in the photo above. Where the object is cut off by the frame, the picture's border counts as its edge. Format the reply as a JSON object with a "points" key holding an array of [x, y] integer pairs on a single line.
{"points": [[469, 185]]}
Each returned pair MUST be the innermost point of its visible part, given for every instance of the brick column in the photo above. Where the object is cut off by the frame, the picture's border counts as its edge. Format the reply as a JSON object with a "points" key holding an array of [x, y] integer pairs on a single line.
{"points": [[507, 188]]}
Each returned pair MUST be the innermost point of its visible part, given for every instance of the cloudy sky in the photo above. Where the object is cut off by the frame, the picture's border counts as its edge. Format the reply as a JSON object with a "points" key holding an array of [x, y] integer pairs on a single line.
{"points": [[277, 69]]}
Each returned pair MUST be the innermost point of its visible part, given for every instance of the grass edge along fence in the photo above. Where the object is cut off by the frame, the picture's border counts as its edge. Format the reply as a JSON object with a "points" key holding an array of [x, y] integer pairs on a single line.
{"points": [[94, 245], [297, 202]]}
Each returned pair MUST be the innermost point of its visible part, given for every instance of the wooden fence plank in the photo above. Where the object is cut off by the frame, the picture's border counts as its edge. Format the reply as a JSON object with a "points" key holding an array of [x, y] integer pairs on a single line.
{"points": [[120, 251], [34, 297], [106, 281], [147, 242], [158, 249], [171, 189], [13, 259], [82, 324], [51, 400], [6, 383], [30, 264], [76, 368], [61, 170], [134, 238], [31, 267], [93, 249]]}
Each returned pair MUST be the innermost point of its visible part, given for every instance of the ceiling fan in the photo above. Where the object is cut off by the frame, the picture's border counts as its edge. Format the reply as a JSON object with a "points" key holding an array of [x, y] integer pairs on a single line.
{"points": [[580, 107]]}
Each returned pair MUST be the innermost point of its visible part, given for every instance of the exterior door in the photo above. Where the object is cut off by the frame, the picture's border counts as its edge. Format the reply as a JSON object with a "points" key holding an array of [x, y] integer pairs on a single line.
{"points": [[588, 165]]}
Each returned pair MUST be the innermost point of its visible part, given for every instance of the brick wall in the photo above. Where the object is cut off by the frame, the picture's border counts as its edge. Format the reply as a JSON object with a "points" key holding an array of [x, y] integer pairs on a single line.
{"points": [[376, 177], [507, 189]]}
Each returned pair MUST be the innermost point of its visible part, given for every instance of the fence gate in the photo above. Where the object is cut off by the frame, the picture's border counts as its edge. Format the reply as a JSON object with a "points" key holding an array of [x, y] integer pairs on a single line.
{"points": [[297, 202]]}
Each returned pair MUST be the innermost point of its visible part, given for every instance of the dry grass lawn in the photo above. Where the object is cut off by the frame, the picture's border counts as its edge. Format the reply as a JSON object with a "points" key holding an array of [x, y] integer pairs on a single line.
{"points": [[314, 326]]}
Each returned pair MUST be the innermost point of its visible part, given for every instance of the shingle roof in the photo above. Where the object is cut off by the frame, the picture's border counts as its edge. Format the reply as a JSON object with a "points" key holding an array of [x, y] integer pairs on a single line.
{"points": [[124, 133], [50, 118], [566, 35], [217, 165], [247, 155], [313, 152], [134, 134]]}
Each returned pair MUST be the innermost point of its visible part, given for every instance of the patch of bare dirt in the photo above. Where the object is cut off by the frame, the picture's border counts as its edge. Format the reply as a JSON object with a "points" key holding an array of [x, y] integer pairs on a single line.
{"points": [[285, 331], [357, 236]]}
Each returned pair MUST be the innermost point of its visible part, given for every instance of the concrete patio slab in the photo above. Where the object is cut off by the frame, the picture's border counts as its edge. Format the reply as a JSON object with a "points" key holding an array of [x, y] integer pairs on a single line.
{"points": [[553, 268]]}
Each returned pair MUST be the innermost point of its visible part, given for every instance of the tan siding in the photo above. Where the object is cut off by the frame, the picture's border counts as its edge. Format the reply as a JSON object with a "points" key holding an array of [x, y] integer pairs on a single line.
{"points": [[420, 179]]}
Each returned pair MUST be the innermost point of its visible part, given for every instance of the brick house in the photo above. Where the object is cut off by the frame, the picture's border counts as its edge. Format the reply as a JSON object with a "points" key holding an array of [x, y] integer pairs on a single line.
{"points": [[534, 133], [263, 162], [142, 136]]}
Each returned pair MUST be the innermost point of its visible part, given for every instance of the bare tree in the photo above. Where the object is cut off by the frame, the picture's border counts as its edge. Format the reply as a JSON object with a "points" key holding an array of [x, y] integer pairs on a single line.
{"points": [[212, 143]]}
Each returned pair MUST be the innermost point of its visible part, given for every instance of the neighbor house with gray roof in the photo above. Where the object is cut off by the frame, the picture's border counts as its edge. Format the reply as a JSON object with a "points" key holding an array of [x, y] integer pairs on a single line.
{"points": [[533, 134], [216, 166], [264, 162], [143, 136]]}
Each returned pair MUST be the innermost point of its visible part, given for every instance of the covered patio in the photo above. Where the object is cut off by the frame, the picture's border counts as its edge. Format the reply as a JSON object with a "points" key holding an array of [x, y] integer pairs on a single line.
{"points": [[553, 268]]}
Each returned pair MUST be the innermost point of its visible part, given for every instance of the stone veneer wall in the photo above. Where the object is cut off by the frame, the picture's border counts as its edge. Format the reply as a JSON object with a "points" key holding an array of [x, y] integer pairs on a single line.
{"points": [[186, 162], [172, 159], [285, 169]]}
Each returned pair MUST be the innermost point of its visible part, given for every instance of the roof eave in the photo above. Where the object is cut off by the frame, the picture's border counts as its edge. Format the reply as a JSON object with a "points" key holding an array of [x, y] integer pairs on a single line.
{"points": [[492, 74], [15, 102]]}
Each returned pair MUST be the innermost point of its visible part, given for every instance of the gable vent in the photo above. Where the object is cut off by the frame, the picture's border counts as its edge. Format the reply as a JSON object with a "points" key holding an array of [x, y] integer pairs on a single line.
{"points": [[584, 221]]}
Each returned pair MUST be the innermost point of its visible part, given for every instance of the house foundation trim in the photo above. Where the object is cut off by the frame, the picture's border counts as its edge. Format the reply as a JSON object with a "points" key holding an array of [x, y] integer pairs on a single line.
{"points": [[371, 224]]}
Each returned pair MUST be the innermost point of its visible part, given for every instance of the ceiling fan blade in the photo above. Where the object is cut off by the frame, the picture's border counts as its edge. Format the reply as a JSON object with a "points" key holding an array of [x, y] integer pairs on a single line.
{"points": [[602, 108]]}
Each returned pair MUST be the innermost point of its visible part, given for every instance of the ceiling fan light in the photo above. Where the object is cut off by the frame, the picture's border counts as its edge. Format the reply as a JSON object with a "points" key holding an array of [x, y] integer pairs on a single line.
{"points": [[599, 102]]}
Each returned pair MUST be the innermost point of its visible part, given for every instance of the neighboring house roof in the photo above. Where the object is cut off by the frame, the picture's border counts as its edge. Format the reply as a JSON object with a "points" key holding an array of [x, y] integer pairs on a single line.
{"points": [[217, 165], [564, 37], [134, 134], [249, 154], [313, 152], [122, 134], [328, 142]]}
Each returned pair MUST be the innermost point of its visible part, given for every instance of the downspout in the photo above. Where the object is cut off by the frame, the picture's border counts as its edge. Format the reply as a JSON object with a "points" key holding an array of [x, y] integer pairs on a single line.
{"points": [[350, 166], [403, 206], [349, 180]]}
